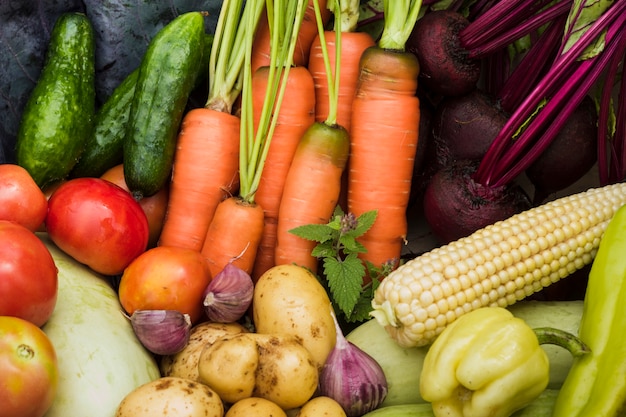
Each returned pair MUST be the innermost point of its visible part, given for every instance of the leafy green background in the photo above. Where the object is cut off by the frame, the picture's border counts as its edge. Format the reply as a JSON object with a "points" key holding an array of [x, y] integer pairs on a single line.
{"points": [[123, 29]]}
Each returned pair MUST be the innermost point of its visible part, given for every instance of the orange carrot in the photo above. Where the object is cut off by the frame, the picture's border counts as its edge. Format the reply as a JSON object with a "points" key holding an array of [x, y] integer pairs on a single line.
{"points": [[308, 32], [205, 171], [235, 233], [291, 122], [384, 135], [207, 154], [234, 218], [313, 183]]}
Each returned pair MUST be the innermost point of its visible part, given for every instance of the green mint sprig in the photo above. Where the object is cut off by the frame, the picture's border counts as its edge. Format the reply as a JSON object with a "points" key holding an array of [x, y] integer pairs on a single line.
{"points": [[343, 271]]}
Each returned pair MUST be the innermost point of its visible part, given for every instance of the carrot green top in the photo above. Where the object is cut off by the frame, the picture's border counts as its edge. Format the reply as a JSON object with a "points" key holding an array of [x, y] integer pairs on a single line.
{"points": [[400, 17]]}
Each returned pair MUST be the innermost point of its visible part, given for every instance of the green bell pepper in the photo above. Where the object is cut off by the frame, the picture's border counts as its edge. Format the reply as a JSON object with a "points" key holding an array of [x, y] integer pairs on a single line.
{"points": [[596, 383], [489, 363]]}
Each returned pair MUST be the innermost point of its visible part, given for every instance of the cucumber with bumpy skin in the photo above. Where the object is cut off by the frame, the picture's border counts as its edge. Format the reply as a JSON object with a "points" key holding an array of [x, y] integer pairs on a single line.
{"points": [[104, 145], [59, 113], [167, 75], [403, 366]]}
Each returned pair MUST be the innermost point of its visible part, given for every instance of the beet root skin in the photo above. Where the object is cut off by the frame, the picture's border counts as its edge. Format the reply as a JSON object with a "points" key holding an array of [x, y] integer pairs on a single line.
{"points": [[445, 68], [455, 205], [572, 153], [465, 126]]}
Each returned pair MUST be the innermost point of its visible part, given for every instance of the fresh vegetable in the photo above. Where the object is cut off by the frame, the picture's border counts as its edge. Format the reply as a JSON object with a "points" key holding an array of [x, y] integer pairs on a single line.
{"points": [[166, 77], [540, 407], [384, 135], [165, 278], [352, 378], [104, 145], [257, 406], [28, 275], [21, 200], [445, 67], [184, 364], [228, 296], [288, 299], [171, 396], [321, 406], [595, 385], [97, 223], [292, 121], [60, 110], [402, 366], [154, 206], [255, 139], [489, 362], [497, 265], [275, 367], [29, 367], [100, 359], [162, 332], [207, 146]]}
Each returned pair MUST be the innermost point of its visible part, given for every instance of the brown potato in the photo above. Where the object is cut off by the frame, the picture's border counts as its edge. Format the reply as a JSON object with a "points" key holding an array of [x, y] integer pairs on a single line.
{"points": [[184, 364], [255, 407], [274, 367], [289, 299], [171, 396], [321, 407]]}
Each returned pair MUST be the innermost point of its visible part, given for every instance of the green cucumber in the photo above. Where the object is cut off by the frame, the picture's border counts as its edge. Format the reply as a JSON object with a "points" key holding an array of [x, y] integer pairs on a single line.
{"points": [[58, 116], [104, 146], [167, 75]]}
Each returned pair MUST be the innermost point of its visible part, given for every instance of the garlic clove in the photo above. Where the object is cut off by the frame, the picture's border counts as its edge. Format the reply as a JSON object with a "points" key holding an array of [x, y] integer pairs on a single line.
{"points": [[163, 332], [353, 378], [229, 295]]}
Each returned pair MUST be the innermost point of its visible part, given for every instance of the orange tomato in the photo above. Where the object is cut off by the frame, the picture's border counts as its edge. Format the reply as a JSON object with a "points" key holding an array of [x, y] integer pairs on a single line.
{"points": [[166, 278], [29, 373], [154, 206], [21, 199]]}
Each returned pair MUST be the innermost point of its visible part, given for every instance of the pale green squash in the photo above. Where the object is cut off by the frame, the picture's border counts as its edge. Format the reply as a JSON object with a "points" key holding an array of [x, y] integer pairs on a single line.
{"points": [[100, 358]]}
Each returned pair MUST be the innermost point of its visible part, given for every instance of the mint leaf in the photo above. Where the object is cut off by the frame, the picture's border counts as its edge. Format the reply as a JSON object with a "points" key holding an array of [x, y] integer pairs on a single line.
{"points": [[316, 232], [365, 222], [345, 281], [350, 244]]}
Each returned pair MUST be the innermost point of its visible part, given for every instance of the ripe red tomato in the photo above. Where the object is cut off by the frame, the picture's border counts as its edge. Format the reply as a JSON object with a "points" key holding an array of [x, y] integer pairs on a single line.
{"points": [[21, 199], [28, 275], [97, 223], [154, 206], [29, 371], [166, 278]]}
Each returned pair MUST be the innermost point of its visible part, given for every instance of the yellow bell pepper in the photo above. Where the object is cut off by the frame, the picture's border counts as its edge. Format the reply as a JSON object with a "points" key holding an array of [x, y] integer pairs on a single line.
{"points": [[488, 363]]}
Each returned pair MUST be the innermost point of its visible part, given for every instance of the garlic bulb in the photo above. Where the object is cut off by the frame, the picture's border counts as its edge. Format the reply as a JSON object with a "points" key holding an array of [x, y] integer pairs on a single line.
{"points": [[163, 332], [229, 295], [352, 377]]}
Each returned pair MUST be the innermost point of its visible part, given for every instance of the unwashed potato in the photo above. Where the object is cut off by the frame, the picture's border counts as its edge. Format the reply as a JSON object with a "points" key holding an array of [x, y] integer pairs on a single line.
{"points": [[289, 299], [255, 407], [321, 406], [171, 396], [184, 364], [277, 368]]}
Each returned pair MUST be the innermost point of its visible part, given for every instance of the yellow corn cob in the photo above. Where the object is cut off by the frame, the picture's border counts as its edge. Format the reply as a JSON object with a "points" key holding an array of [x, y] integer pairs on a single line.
{"points": [[495, 266]]}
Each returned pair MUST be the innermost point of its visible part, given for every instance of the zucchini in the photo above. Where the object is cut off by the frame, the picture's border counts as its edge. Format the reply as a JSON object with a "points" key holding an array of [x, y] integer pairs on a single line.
{"points": [[167, 75], [99, 357], [402, 366], [104, 146], [541, 407], [59, 113]]}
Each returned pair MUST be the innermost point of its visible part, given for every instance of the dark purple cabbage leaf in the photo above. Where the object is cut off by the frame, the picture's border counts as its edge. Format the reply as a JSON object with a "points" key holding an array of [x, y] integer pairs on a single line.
{"points": [[123, 30]]}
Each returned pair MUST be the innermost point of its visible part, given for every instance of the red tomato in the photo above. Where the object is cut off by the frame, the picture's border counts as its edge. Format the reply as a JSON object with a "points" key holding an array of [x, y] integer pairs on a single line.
{"points": [[97, 223], [154, 206], [28, 275], [21, 199], [29, 371], [166, 278]]}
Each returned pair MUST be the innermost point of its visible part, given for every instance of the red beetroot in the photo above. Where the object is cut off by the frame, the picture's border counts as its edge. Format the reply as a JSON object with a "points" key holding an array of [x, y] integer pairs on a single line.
{"points": [[445, 68], [455, 205]]}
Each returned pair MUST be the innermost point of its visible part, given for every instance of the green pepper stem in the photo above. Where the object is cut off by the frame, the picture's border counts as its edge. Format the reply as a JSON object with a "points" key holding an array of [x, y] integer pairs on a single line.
{"points": [[552, 336]]}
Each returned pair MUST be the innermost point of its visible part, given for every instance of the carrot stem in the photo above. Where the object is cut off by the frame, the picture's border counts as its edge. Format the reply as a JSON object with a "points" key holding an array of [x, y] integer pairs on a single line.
{"points": [[400, 17]]}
